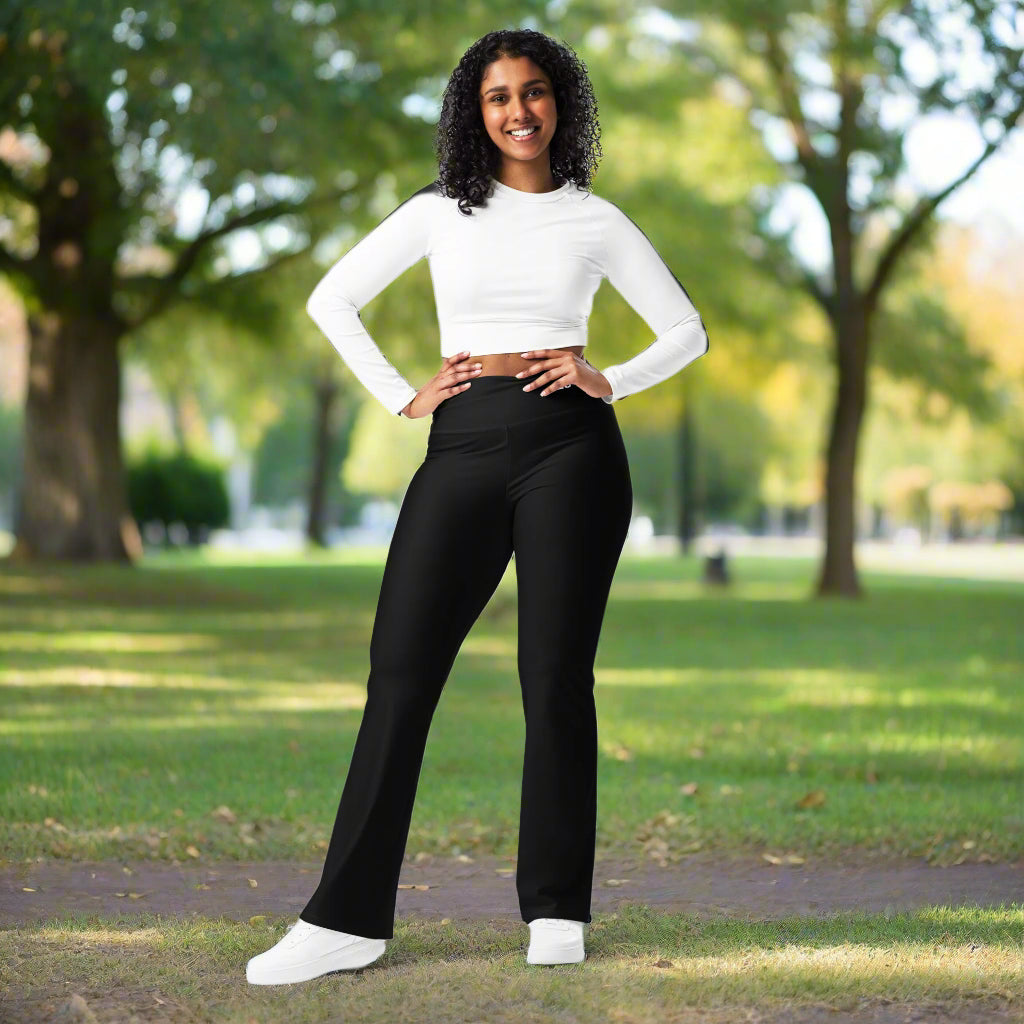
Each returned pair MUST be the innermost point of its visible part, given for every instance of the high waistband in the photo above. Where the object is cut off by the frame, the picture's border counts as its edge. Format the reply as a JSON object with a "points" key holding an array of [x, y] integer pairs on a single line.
{"points": [[498, 400]]}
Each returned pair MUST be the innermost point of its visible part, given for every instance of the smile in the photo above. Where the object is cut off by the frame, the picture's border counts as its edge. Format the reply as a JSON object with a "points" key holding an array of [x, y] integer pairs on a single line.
{"points": [[524, 133]]}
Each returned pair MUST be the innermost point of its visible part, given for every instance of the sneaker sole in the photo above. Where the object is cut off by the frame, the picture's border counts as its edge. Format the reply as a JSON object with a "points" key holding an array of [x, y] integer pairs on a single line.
{"points": [[350, 958]]}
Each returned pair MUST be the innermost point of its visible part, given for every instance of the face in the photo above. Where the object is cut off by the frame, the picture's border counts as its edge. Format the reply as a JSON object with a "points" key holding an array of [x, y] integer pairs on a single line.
{"points": [[516, 93]]}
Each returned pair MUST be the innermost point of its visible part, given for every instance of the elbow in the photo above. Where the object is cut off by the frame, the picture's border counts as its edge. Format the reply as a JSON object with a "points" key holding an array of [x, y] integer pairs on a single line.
{"points": [[705, 341], [325, 303]]}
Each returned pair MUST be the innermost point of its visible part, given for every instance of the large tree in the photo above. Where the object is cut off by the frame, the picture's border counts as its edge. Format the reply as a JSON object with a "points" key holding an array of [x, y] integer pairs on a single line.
{"points": [[847, 79], [267, 114]]}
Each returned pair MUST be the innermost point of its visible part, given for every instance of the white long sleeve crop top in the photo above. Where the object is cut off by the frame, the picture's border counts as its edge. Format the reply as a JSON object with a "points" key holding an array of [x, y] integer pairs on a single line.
{"points": [[519, 274]]}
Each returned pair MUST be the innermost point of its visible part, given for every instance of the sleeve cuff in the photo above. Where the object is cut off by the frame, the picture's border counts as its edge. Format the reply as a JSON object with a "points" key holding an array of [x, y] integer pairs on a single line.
{"points": [[610, 375], [412, 393]]}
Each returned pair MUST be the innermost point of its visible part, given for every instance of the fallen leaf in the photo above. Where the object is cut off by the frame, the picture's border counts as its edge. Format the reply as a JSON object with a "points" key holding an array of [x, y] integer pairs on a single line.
{"points": [[617, 881], [25, 888], [788, 858], [224, 813], [252, 883], [689, 788], [191, 851], [814, 798]]}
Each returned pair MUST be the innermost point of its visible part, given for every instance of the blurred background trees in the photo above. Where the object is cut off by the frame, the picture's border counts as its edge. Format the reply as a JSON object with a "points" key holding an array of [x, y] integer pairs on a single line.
{"points": [[171, 187]]}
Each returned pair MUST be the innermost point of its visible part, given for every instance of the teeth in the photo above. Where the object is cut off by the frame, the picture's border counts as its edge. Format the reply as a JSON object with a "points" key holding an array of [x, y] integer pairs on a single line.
{"points": [[523, 132]]}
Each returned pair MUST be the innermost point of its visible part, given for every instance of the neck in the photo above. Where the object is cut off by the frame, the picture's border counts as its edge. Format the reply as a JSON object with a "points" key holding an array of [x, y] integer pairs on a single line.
{"points": [[527, 178]]}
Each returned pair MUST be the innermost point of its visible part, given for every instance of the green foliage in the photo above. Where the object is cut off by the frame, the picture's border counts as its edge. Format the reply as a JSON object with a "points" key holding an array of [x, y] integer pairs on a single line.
{"points": [[178, 487], [282, 462]]}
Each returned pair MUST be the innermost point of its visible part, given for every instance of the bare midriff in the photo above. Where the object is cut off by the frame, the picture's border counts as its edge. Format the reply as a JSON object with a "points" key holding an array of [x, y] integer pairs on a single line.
{"points": [[508, 364]]}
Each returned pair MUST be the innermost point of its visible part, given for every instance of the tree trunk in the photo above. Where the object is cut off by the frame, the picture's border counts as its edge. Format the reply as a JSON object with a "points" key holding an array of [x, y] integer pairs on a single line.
{"points": [[73, 503], [325, 391], [838, 571]]}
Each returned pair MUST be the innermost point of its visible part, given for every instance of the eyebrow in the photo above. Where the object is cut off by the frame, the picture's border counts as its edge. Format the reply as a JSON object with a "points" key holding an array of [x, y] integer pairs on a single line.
{"points": [[504, 88]]}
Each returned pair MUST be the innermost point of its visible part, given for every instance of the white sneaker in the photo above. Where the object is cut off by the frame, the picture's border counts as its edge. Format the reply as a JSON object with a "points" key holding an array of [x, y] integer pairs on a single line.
{"points": [[555, 940], [307, 951]]}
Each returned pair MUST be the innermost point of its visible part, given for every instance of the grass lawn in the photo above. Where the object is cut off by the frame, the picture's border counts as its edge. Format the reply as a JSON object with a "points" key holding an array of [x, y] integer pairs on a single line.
{"points": [[199, 708]]}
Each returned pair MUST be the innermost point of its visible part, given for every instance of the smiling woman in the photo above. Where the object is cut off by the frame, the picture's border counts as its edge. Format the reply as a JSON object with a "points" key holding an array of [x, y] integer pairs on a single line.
{"points": [[524, 456]]}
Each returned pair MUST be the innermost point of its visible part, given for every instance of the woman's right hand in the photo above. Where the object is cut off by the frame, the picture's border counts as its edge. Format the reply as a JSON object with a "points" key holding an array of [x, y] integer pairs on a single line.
{"points": [[450, 380]]}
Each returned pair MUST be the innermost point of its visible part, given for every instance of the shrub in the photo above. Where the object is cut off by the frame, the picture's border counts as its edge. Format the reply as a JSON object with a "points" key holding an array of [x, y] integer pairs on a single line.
{"points": [[179, 488]]}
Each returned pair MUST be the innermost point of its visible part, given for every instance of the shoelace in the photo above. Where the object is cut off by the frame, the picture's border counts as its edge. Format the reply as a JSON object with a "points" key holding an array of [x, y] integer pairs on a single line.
{"points": [[297, 932]]}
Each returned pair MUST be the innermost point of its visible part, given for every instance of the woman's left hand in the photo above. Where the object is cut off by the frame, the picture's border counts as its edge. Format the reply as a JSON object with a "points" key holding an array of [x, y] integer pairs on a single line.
{"points": [[562, 369]]}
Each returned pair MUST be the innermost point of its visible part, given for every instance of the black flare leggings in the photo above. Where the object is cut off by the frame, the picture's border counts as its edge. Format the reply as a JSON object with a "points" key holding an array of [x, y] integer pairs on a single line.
{"points": [[505, 471]]}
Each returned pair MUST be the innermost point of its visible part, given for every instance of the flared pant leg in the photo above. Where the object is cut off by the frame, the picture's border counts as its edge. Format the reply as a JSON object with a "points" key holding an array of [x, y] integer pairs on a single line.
{"points": [[572, 502], [449, 550]]}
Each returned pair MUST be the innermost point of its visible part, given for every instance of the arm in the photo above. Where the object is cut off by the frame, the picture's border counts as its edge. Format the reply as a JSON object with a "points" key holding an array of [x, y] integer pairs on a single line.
{"points": [[639, 274], [393, 246]]}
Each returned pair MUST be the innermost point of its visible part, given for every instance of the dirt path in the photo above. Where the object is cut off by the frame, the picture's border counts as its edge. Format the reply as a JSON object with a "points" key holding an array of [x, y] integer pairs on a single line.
{"points": [[709, 885]]}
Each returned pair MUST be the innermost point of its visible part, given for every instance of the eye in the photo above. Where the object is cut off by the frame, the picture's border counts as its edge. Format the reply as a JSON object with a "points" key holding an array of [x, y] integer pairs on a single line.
{"points": [[535, 89]]}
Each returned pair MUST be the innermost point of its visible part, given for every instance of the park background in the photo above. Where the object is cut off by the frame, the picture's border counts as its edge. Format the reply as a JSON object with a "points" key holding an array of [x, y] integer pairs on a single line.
{"points": [[837, 186]]}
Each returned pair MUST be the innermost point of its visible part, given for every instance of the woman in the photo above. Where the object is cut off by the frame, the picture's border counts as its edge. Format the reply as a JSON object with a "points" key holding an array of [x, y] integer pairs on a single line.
{"points": [[524, 456]]}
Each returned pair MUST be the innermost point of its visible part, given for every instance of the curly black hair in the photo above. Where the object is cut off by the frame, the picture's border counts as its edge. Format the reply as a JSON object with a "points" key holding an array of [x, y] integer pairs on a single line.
{"points": [[465, 153]]}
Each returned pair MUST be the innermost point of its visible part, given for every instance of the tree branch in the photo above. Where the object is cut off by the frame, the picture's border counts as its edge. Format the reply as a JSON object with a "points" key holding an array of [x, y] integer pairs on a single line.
{"points": [[779, 260], [901, 238], [204, 293], [190, 254], [789, 97]]}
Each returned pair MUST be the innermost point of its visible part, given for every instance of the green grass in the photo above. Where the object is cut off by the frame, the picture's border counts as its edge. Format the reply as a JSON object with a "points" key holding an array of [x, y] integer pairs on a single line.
{"points": [[640, 967], [139, 703], [136, 702]]}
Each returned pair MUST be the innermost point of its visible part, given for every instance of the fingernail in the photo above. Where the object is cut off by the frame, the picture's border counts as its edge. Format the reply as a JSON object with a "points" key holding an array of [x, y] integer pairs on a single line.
{"points": [[525, 355]]}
